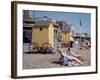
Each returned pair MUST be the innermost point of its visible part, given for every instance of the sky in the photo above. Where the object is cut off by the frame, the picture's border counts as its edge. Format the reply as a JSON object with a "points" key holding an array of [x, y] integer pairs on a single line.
{"points": [[70, 17]]}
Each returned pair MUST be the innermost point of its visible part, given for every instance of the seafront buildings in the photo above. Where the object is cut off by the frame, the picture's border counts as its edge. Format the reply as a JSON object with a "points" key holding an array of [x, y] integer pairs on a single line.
{"points": [[41, 30]]}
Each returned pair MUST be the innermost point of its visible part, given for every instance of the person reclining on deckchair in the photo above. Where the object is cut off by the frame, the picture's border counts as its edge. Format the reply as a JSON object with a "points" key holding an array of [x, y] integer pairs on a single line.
{"points": [[83, 45], [66, 57], [81, 58]]}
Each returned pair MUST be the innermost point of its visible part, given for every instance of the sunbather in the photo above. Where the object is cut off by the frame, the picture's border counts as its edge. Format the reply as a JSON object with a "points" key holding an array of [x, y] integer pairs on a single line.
{"points": [[81, 58], [69, 57], [84, 45]]}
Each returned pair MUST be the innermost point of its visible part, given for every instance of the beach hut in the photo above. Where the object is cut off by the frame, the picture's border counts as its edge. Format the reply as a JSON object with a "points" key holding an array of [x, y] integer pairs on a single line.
{"points": [[44, 32], [65, 32], [65, 36]]}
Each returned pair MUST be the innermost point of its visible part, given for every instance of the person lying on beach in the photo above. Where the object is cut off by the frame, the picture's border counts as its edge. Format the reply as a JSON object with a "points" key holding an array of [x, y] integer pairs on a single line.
{"points": [[81, 58], [84, 45], [69, 57]]}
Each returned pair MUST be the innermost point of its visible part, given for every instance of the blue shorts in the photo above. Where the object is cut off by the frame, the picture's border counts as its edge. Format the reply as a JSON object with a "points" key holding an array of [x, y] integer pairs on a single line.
{"points": [[64, 61]]}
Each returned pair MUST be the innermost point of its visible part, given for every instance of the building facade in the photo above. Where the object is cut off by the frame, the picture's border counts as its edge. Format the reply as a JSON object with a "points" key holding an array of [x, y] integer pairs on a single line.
{"points": [[65, 32], [28, 22], [44, 32]]}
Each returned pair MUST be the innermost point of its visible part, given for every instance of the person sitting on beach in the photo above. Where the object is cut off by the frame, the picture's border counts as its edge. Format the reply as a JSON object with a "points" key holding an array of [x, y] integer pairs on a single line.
{"points": [[68, 57]]}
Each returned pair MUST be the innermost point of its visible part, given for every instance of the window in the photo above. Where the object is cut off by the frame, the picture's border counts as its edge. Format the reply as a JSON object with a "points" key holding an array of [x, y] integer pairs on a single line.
{"points": [[40, 29]]}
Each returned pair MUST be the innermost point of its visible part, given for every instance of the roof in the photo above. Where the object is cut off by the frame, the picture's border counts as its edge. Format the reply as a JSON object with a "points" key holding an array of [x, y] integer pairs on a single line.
{"points": [[60, 23], [42, 23], [64, 26], [66, 29], [45, 23]]}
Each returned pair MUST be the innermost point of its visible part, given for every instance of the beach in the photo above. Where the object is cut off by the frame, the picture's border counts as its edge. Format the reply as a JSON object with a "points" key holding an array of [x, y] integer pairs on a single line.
{"points": [[42, 60]]}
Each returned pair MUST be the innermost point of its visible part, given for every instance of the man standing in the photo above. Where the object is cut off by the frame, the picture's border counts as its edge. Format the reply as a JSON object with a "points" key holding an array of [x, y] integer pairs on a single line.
{"points": [[71, 42]]}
